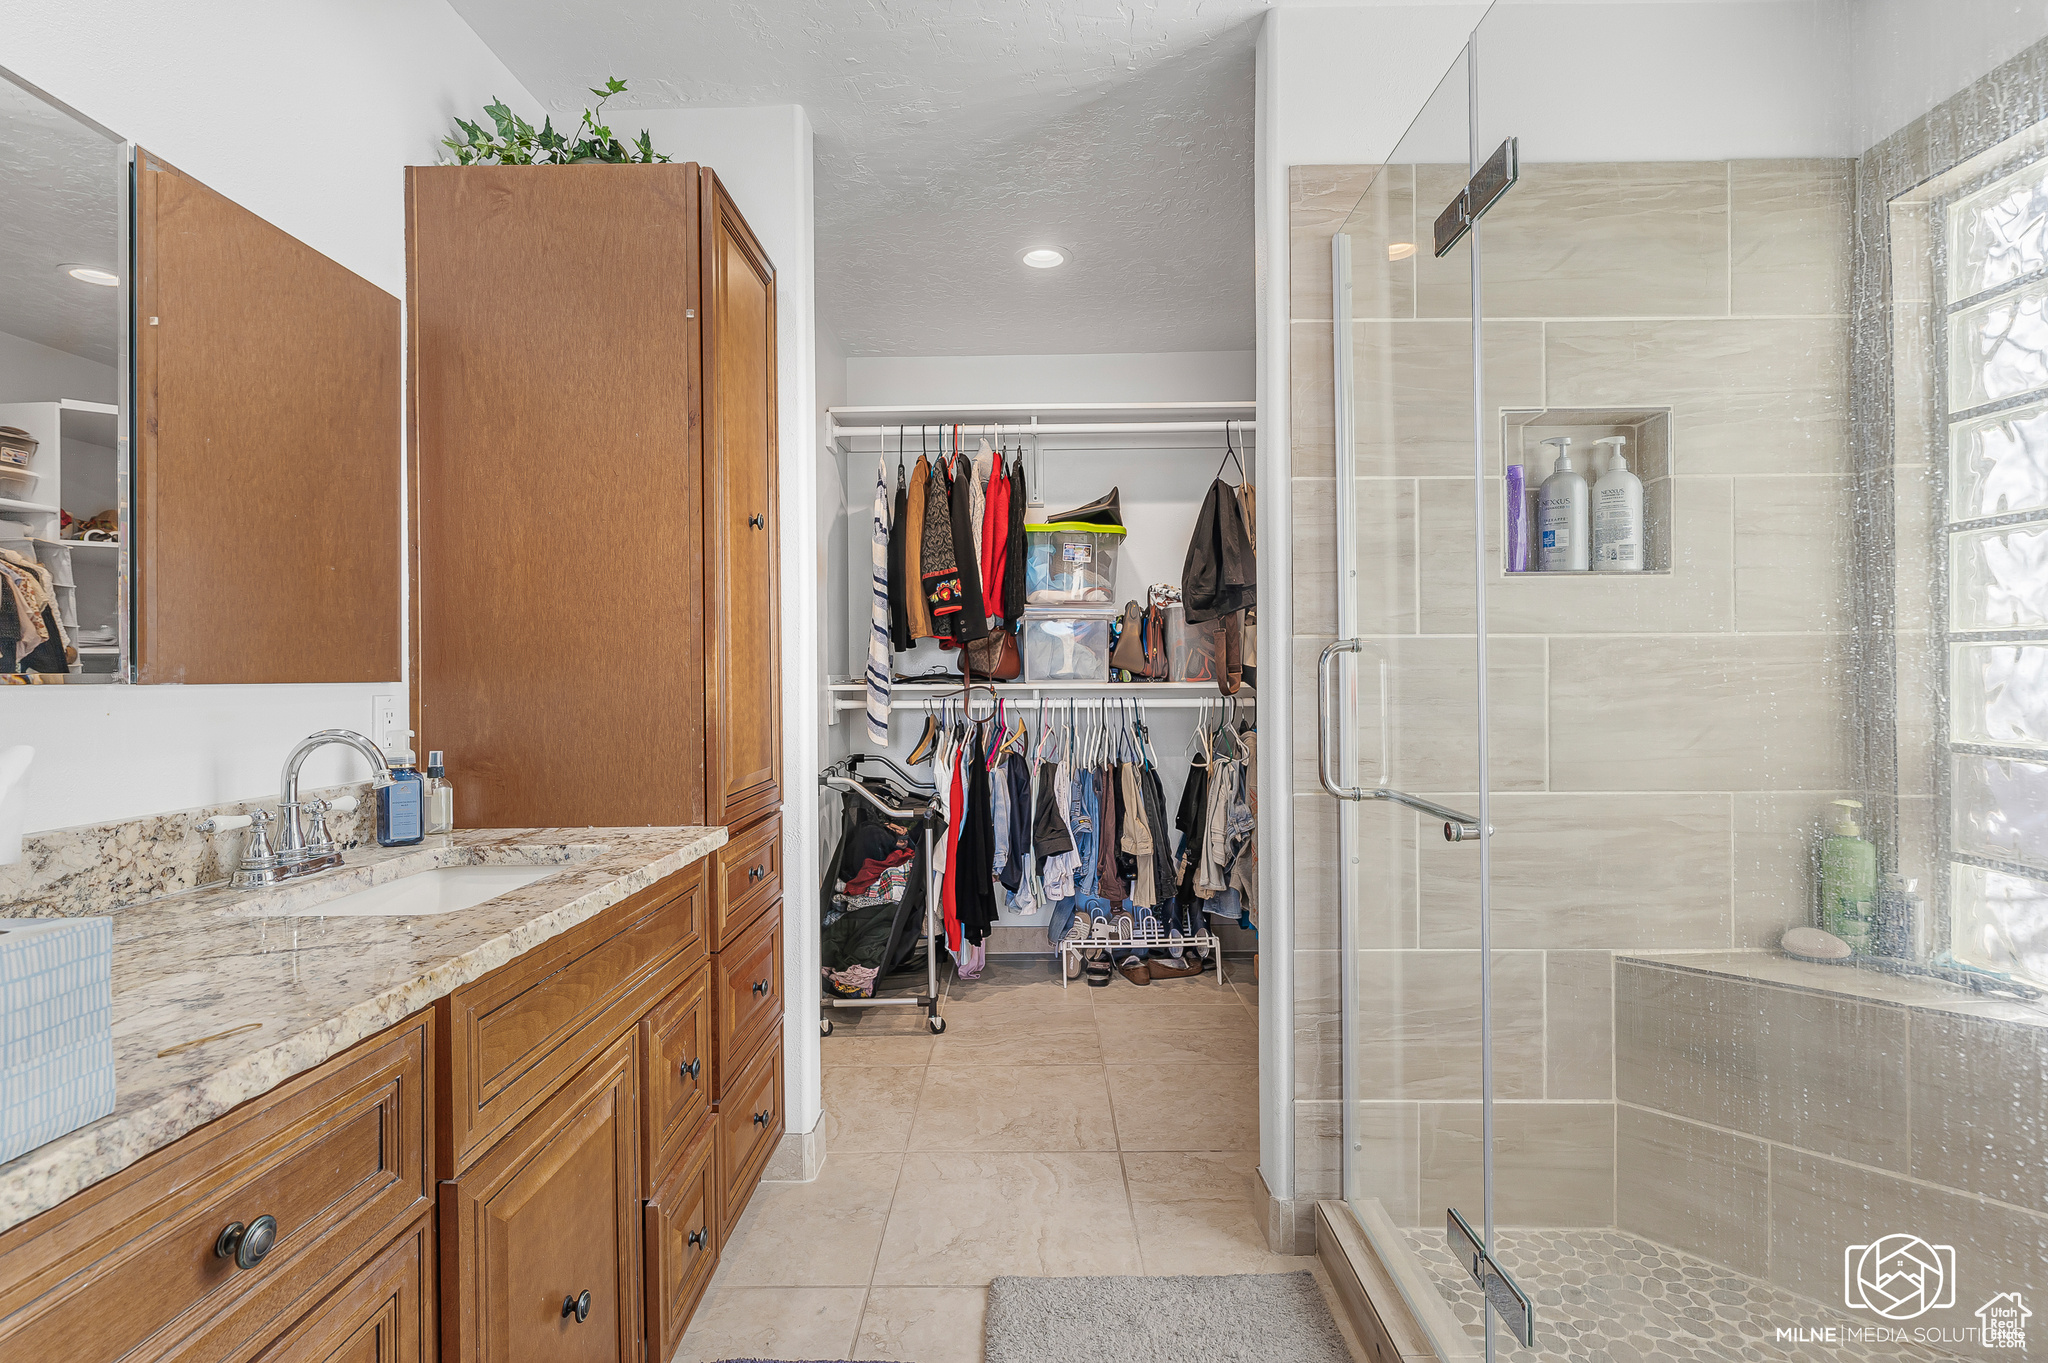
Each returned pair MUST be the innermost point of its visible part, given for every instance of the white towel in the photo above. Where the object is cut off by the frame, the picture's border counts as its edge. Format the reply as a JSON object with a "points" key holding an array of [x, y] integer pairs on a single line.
{"points": [[880, 664]]}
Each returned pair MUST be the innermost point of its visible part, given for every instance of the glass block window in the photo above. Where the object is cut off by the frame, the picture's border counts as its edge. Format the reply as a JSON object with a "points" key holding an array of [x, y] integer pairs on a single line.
{"points": [[1995, 392]]}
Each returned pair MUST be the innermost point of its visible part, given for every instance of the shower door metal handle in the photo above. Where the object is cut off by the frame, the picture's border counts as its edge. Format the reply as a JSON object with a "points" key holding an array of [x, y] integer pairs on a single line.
{"points": [[1458, 827], [1323, 674]]}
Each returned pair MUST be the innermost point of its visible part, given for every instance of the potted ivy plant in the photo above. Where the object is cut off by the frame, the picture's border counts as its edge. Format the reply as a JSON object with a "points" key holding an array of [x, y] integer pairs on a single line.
{"points": [[515, 142]]}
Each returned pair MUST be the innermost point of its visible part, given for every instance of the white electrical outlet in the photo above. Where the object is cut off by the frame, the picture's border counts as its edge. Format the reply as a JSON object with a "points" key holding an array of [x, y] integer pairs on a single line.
{"points": [[387, 729]]}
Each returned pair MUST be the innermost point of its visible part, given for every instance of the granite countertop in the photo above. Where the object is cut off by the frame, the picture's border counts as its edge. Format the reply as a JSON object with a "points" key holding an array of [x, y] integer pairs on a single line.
{"points": [[193, 966]]}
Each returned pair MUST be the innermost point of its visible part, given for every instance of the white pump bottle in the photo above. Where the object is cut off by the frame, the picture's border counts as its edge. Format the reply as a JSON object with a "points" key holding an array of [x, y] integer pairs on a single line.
{"points": [[1561, 541], [1617, 514]]}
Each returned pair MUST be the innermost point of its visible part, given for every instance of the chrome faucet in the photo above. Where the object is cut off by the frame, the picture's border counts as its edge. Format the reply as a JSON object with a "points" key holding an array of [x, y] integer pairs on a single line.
{"points": [[302, 851]]}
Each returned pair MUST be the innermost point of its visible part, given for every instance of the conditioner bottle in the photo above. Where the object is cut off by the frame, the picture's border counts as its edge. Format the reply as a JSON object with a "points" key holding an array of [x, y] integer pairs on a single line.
{"points": [[1561, 541], [1617, 514], [1848, 880]]}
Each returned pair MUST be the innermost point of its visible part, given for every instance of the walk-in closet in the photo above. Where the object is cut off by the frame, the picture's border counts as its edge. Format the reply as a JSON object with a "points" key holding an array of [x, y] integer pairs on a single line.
{"points": [[1113, 699]]}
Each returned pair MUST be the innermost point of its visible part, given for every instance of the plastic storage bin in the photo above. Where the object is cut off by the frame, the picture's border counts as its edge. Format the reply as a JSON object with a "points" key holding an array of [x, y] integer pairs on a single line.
{"points": [[17, 446], [1194, 653], [18, 484], [1067, 645], [1071, 564]]}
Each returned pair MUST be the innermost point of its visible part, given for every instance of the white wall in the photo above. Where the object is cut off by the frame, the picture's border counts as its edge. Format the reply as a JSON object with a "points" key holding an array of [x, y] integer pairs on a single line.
{"points": [[31, 372], [1910, 55], [305, 114], [1175, 376], [763, 157]]}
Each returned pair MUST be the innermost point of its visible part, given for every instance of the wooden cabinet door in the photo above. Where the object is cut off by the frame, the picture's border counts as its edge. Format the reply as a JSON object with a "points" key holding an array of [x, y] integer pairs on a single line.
{"points": [[557, 581], [267, 450], [383, 1314], [683, 1235], [746, 987], [551, 1212], [742, 655], [675, 1092]]}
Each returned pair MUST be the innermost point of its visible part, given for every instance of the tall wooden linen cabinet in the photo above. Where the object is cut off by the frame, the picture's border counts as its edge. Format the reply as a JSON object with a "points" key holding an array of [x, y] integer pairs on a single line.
{"points": [[595, 620]]}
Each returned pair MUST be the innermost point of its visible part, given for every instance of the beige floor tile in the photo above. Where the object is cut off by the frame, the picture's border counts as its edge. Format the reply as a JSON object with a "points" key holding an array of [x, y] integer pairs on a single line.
{"points": [[877, 1048], [869, 1109], [1196, 991], [979, 1039], [772, 1322], [1040, 1002], [1194, 1215], [819, 1234], [925, 1324], [967, 1219], [1042, 1107], [1179, 1033], [1186, 1107]]}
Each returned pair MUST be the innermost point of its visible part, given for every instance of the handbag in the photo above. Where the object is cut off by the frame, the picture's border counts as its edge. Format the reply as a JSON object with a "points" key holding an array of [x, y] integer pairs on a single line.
{"points": [[1129, 653], [994, 658], [1158, 658]]}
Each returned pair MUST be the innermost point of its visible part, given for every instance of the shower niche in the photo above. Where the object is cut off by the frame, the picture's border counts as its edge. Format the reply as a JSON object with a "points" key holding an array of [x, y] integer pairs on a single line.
{"points": [[1647, 431]]}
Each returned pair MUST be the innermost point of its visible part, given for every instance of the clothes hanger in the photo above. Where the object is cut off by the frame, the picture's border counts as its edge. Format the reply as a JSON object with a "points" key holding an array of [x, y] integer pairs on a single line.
{"points": [[1229, 454]]}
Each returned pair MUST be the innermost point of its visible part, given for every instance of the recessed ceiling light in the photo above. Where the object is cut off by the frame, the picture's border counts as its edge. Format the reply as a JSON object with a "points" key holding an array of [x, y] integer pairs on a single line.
{"points": [[91, 274], [1045, 257], [1400, 250]]}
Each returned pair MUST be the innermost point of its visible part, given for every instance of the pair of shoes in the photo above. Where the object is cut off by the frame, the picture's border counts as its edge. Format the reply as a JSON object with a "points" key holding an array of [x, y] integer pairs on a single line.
{"points": [[1122, 924], [1077, 931], [1097, 969], [1136, 970], [1175, 967]]}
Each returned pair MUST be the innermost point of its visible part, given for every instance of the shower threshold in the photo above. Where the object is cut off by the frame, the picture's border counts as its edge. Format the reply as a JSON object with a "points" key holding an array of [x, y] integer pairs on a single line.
{"points": [[1616, 1298]]}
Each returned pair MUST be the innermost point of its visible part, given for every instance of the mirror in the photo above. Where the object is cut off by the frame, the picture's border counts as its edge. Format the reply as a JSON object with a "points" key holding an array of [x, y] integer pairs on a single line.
{"points": [[199, 428], [63, 366]]}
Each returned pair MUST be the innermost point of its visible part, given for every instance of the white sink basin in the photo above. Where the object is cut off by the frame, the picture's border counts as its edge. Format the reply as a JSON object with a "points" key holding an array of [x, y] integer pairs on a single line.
{"points": [[441, 890]]}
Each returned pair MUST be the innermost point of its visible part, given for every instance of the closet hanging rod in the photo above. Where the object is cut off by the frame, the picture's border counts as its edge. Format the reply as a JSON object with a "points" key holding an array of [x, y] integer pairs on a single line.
{"points": [[916, 704], [1020, 429], [988, 411]]}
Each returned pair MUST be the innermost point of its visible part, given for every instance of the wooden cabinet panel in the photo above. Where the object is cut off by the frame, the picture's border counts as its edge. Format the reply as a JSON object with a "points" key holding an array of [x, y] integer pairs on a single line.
{"points": [[683, 1236], [742, 655], [384, 1313], [675, 1091], [267, 450], [749, 1127], [128, 1269], [549, 1213], [515, 1034], [747, 877], [554, 404], [746, 982]]}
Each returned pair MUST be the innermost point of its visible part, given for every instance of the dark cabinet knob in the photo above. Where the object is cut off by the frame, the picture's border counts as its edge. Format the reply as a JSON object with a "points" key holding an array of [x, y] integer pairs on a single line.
{"points": [[757, 872], [691, 1068], [758, 521], [761, 1118], [700, 1237], [760, 987], [246, 1245], [577, 1306]]}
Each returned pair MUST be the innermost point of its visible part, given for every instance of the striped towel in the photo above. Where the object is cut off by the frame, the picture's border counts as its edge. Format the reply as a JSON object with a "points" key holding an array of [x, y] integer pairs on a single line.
{"points": [[879, 660]]}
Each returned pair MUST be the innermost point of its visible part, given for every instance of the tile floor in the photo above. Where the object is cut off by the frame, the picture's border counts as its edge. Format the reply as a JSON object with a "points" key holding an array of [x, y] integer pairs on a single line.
{"points": [[1049, 1131]]}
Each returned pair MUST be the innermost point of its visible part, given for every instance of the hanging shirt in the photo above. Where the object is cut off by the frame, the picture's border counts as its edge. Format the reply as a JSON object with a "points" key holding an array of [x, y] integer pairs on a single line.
{"points": [[1137, 834], [900, 591], [879, 663], [1013, 549], [969, 622], [994, 542], [915, 605]]}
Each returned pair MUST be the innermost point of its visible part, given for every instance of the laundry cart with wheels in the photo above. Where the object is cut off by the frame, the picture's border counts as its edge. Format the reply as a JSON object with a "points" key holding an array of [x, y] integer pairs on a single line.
{"points": [[878, 900]]}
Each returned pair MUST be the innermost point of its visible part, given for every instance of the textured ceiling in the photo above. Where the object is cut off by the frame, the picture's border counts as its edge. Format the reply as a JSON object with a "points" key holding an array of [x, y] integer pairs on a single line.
{"points": [[950, 134], [58, 206]]}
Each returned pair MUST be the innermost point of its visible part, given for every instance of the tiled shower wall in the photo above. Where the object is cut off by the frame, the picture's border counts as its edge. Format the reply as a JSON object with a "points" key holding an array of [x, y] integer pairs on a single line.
{"points": [[1663, 745]]}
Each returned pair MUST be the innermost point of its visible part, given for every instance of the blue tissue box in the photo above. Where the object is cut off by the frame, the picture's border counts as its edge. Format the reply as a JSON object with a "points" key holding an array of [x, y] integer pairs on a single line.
{"points": [[56, 1028]]}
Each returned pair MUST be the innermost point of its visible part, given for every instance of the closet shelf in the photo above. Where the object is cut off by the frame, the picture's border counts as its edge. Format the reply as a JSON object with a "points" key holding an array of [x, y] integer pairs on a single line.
{"points": [[9, 504], [83, 544], [1066, 418]]}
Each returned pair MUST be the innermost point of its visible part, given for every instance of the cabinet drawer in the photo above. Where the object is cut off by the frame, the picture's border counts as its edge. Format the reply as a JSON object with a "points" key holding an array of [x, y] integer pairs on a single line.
{"points": [[749, 1126], [749, 878], [683, 1236], [675, 1088], [550, 1212], [515, 1035], [127, 1269], [746, 978], [384, 1313]]}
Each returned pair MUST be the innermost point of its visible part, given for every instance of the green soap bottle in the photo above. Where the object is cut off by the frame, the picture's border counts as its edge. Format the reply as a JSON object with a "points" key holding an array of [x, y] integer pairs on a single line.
{"points": [[1848, 878]]}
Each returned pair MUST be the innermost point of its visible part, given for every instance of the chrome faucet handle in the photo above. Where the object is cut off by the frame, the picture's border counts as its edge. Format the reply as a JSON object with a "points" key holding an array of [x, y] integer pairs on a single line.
{"points": [[317, 839], [257, 855]]}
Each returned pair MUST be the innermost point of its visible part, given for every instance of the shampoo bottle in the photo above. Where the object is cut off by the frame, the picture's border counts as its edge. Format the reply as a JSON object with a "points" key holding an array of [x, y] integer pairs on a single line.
{"points": [[1561, 541], [401, 802], [1617, 514], [1848, 880]]}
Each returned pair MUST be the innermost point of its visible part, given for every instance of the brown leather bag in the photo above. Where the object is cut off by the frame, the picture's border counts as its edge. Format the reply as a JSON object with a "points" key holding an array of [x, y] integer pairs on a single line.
{"points": [[1158, 658], [994, 658], [1129, 653]]}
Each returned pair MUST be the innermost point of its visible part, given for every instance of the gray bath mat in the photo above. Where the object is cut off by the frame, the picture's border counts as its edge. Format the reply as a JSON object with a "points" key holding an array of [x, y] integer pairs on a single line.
{"points": [[1242, 1318]]}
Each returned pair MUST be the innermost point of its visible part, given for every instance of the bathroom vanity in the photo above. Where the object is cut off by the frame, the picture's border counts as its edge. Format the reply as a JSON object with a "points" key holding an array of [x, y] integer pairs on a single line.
{"points": [[515, 1129]]}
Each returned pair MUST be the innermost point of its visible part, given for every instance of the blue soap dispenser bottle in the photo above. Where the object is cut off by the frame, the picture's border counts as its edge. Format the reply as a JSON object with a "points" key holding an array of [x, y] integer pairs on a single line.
{"points": [[402, 801]]}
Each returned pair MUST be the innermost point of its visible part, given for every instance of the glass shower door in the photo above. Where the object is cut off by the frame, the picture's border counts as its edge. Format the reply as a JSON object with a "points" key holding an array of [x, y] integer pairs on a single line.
{"points": [[1402, 745]]}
